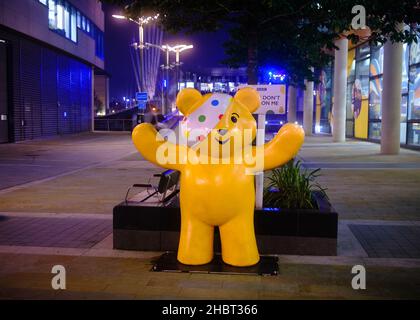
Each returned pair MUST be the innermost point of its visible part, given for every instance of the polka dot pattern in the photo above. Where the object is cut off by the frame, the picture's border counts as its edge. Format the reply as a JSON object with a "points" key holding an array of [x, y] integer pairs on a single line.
{"points": [[202, 118], [199, 123], [215, 103]]}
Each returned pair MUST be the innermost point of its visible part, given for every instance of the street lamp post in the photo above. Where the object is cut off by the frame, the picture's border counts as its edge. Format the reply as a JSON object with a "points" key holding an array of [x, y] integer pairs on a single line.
{"points": [[167, 80], [166, 48], [178, 49], [141, 45]]}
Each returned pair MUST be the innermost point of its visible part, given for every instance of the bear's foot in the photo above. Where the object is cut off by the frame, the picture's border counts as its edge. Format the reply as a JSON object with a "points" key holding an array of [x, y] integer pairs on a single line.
{"points": [[238, 261], [194, 260]]}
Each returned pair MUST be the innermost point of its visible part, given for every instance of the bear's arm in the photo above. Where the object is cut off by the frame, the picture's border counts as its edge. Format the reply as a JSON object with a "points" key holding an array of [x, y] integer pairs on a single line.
{"points": [[284, 146], [155, 149]]}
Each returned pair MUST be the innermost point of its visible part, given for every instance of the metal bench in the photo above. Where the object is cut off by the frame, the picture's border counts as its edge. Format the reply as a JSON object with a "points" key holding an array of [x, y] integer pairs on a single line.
{"points": [[159, 194]]}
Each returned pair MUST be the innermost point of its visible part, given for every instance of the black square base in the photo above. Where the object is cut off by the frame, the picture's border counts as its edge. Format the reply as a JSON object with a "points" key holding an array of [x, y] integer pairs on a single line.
{"points": [[168, 263]]}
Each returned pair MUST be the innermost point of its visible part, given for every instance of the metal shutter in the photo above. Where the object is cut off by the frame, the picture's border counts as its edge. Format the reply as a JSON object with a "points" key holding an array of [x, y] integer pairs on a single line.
{"points": [[86, 94], [63, 93], [30, 82], [49, 93]]}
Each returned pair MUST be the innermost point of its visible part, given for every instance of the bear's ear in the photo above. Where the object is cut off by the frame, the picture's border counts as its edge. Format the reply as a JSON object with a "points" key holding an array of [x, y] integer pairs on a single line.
{"points": [[249, 97], [186, 99]]}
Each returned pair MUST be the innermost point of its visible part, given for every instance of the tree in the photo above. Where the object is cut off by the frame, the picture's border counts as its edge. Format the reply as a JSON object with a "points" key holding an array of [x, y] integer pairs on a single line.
{"points": [[297, 35]]}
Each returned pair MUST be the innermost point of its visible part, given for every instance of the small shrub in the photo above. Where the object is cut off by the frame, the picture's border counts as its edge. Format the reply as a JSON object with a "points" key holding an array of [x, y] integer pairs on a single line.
{"points": [[291, 187]]}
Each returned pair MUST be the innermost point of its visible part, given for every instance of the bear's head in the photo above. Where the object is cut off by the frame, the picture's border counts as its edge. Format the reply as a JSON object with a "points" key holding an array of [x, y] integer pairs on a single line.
{"points": [[218, 121]]}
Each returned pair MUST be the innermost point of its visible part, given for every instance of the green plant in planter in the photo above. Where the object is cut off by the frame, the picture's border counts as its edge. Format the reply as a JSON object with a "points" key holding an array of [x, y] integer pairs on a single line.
{"points": [[291, 187]]}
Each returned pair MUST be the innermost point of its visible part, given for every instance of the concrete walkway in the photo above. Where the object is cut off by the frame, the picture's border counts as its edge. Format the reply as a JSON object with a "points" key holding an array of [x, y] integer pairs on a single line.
{"points": [[57, 195], [87, 173], [362, 183]]}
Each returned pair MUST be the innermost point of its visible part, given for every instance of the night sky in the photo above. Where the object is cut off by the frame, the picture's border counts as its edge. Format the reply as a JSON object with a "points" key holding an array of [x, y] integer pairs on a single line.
{"points": [[119, 34]]}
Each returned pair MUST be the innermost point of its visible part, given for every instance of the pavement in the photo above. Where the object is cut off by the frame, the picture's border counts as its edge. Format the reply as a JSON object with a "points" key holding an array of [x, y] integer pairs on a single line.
{"points": [[56, 200]]}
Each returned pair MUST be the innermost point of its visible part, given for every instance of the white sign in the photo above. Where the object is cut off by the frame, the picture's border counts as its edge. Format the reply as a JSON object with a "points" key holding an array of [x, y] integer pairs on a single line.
{"points": [[273, 98]]}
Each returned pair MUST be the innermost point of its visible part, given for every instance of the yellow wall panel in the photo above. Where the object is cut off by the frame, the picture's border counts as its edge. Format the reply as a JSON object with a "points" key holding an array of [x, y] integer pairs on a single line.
{"points": [[361, 122], [350, 58]]}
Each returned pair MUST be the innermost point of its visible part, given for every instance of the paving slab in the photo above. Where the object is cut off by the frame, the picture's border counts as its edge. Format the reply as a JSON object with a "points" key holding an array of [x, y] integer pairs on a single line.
{"points": [[113, 278]]}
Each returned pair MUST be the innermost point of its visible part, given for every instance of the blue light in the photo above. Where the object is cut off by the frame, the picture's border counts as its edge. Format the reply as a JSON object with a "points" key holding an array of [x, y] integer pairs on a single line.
{"points": [[65, 114], [274, 75], [271, 209], [164, 83]]}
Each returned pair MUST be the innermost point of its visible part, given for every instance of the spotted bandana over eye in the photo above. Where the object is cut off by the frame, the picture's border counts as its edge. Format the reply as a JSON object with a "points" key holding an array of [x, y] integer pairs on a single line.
{"points": [[198, 124]]}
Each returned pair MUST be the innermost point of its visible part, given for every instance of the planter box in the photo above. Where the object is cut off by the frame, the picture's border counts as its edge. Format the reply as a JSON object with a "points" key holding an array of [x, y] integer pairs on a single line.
{"points": [[301, 232]]}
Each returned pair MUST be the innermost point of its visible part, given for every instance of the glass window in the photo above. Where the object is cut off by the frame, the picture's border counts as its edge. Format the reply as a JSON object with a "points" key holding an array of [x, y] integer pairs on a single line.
{"points": [[413, 133], [374, 130], [375, 98], [87, 26], [67, 22], [404, 87], [350, 128], [363, 51], [414, 93], [403, 125], [78, 19], [73, 25], [83, 23], [403, 132], [349, 112], [415, 52], [404, 100], [352, 71], [44, 2], [52, 18], [60, 16], [376, 61], [362, 77]]}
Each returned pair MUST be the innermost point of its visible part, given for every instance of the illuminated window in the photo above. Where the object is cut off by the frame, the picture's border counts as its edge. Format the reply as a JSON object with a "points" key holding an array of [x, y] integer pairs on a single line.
{"points": [[83, 23], [377, 61], [414, 94], [60, 17], [66, 20], [51, 15], [415, 52], [362, 74], [79, 19], [414, 133], [375, 98], [73, 25]]}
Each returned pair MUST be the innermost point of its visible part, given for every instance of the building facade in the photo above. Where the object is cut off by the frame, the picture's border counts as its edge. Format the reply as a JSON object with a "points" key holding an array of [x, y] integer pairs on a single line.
{"points": [[365, 68], [221, 79], [50, 53]]}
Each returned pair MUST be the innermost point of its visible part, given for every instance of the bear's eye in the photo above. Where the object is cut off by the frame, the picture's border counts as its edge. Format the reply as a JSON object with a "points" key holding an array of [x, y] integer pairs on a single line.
{"points": [[234, 118]]}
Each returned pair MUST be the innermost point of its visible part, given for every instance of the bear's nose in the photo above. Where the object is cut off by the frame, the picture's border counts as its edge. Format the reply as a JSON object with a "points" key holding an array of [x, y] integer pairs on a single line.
{"points": [[222, 132]]}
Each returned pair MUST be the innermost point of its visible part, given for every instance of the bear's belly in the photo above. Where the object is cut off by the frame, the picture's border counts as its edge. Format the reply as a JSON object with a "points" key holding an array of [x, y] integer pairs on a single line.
{"points": [[216, 195]]}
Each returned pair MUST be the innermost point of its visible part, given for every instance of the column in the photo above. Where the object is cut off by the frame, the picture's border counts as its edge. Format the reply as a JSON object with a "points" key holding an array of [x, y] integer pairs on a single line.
{"points": [[308, 107], [291, 104], [391, 98], [340, 89]]}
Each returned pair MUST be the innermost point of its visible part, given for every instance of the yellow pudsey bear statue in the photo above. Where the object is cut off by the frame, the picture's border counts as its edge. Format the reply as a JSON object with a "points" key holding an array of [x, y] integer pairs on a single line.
{"points": [[217, 181]]}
